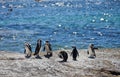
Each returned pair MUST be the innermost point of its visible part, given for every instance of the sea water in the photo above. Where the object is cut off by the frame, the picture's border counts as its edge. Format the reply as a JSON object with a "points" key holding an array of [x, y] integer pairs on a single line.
{"points": [[63, 22]]}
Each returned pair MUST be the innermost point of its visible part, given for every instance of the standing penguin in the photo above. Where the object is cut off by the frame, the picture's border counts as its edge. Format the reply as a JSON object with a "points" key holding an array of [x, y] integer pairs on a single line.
{"points": [[91, 51], [74, 53], [48, 48], [38, 47], [63, 55], [28, 50]]}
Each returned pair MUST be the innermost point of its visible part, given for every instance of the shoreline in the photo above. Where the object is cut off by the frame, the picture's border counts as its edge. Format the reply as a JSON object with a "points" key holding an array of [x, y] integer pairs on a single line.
{"points": [[70, 49], [104, 65]]}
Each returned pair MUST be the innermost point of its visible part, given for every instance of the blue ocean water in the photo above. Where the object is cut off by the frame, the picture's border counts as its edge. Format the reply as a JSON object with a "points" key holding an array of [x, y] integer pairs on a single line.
{"points": [[63, 22]]}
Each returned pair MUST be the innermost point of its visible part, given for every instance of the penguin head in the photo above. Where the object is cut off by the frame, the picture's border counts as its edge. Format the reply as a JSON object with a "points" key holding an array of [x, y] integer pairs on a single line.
{"points": [[27, 44], [47, 42], [39, 41], [73, 46], [91, 45]]}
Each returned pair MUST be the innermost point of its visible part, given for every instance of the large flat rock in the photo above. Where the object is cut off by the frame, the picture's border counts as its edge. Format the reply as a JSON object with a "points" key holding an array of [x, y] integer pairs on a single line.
{"points": [[106, 64]]}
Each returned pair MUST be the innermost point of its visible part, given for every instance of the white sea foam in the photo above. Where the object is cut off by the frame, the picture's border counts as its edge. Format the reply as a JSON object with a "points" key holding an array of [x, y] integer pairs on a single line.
{"points": [[3, 6], [92, 38], [100, 33], [1, 38], [74, 33], [59, 3], [59, 25], [14, 37], [102, 19], [93, 20]]}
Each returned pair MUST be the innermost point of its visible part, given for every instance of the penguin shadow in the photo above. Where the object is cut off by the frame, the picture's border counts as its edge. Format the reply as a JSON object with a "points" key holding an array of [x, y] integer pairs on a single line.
{"points": [[48, 55], [91, 57], [75, 60], [62, 61], [38, 57], [27, 57]]}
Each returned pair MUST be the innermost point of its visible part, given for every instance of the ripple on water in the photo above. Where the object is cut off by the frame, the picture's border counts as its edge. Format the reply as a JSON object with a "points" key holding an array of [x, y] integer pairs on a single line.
{"points": [[63, 23]]}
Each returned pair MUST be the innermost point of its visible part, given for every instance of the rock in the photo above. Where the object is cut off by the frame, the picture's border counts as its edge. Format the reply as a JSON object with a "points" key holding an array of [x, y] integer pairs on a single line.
{"points": [[106, 64]]}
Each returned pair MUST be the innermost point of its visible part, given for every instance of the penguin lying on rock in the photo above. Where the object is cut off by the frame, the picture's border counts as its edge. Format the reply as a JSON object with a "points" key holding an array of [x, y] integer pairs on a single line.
{"points": [[63, 55]]}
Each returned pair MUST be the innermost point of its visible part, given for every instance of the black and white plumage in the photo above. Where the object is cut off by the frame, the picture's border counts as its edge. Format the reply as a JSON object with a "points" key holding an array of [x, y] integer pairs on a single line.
{"points": [[63, 55], [91, 51], [38, 47], [28, 50], [48, 48], [74, 53]]}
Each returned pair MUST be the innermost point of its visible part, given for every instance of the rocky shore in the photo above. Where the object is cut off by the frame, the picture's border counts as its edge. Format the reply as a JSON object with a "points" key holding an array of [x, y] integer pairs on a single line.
{"points": [[106, 64]]}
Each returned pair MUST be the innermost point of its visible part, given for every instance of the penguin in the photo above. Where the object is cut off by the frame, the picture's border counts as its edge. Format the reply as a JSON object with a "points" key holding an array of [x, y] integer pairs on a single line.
{"points": [[38, 47], [74, 53], [63, 55], [28, 50], [91, 51], [48, 49]]}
